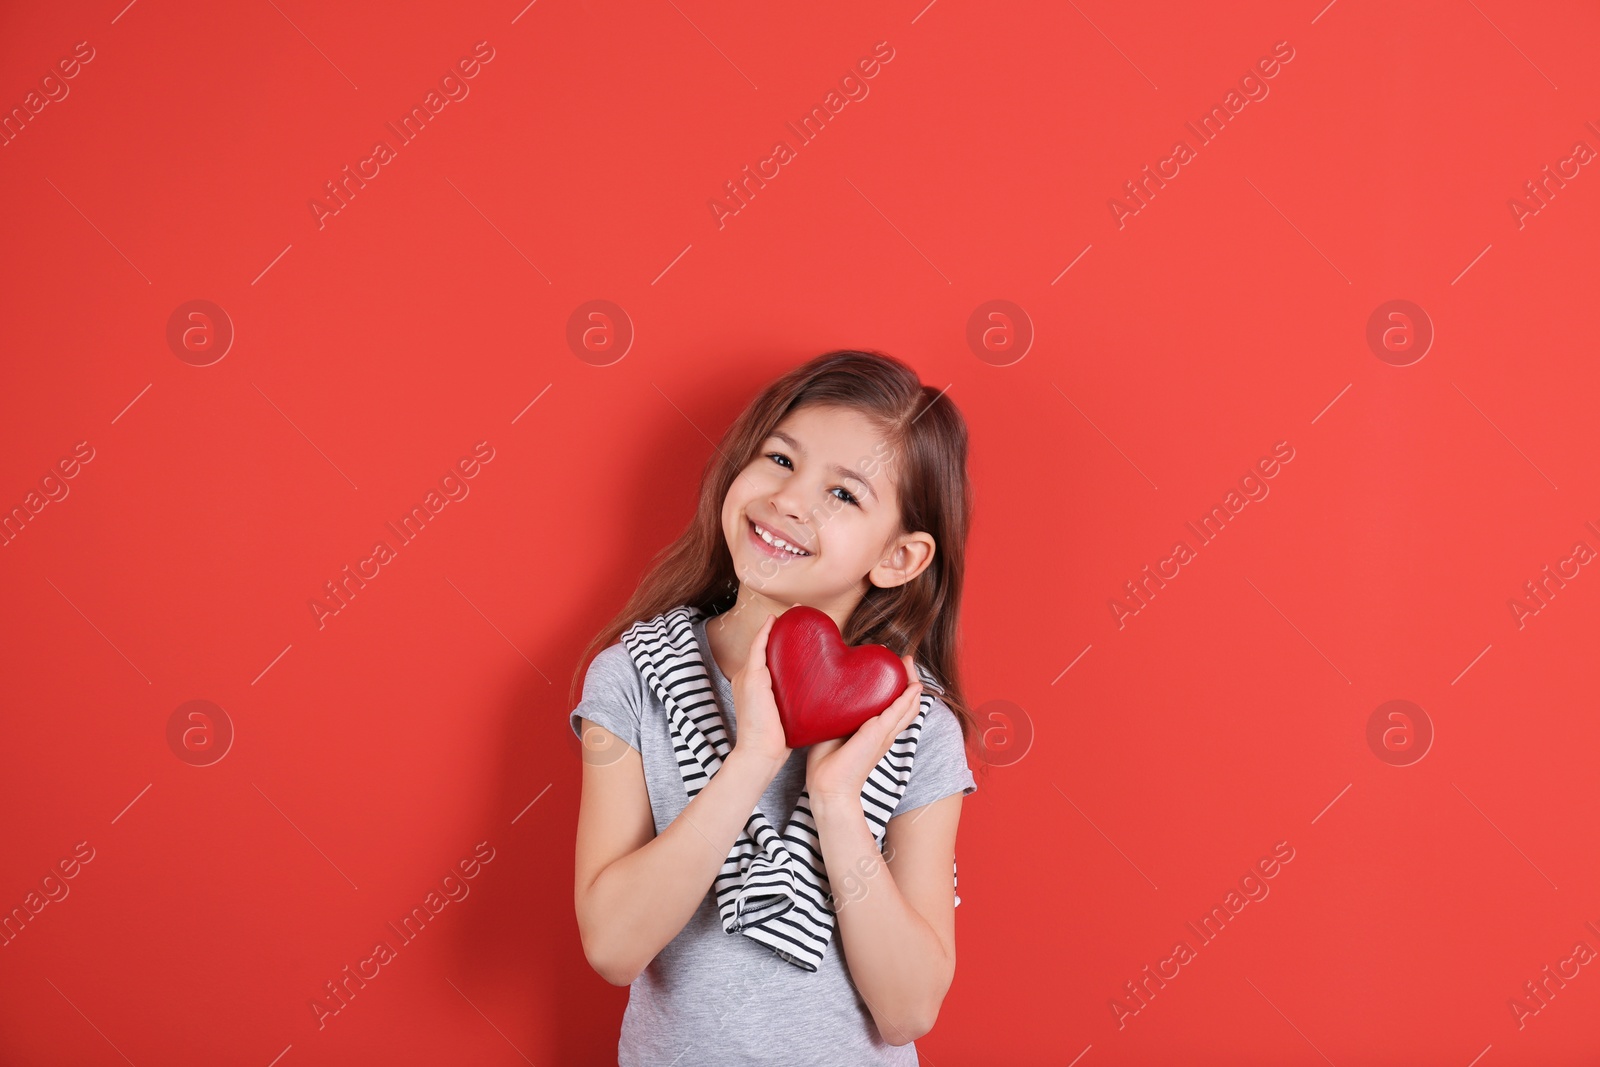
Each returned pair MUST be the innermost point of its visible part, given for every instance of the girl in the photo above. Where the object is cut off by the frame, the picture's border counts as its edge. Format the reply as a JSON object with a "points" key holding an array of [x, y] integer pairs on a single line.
{"points": [[767, 905]]}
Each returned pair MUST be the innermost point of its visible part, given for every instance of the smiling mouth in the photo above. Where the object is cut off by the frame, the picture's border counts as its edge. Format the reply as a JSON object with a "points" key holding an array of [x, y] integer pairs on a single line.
{"points": [[772, 549]]}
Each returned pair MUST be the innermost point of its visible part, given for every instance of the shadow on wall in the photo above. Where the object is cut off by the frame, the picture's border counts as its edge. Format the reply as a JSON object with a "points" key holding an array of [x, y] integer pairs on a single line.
{"points": [[525, 937]]}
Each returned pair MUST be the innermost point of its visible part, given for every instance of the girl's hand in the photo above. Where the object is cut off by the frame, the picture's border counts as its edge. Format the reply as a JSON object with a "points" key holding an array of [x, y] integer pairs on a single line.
{"points": [[839, 768], [760, 731]]}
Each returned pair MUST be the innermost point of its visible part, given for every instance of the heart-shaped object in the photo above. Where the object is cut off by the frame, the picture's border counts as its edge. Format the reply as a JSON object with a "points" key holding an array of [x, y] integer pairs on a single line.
{"points": [[823, 687]]}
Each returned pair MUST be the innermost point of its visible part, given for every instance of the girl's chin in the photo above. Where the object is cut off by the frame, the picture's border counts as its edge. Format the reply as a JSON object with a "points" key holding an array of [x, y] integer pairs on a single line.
{"points": [[762, 573], [766, 575]]}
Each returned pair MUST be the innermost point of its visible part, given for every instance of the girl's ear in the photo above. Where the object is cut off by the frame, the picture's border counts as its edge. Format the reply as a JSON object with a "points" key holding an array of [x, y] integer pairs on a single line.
{"points": [[908, 556]]}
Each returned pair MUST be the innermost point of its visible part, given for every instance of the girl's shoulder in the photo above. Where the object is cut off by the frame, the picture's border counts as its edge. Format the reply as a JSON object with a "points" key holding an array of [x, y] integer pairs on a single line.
{"points": [[614, 695], [612, 661], [941, 729], [939, 766]]}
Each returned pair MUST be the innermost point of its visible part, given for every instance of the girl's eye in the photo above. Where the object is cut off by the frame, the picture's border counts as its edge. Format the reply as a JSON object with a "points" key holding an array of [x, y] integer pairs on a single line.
{"points": [[783, 460]]}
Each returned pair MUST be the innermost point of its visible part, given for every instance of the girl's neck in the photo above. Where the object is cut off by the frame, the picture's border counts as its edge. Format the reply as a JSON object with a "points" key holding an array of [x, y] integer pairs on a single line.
{"points": [[731, 632]]}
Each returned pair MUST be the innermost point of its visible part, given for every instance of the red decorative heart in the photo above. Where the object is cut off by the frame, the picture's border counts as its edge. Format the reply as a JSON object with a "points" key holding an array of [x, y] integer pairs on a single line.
{"points": [[823, 687]]}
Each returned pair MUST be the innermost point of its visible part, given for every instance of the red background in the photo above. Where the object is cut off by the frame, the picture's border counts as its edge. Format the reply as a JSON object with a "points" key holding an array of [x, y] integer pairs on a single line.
{"points": [[373, 753]]}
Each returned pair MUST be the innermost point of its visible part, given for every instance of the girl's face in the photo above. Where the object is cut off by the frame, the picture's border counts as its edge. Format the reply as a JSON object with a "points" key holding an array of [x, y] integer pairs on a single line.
{"points": [[823, 483]]}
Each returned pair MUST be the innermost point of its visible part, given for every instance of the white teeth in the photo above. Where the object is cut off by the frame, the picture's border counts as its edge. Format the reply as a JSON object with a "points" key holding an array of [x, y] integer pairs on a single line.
{"points": [[779, 542]]}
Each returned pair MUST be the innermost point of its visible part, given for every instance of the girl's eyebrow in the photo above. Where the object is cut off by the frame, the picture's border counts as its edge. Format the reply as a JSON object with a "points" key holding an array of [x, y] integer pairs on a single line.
{"points": [[838, 468]]}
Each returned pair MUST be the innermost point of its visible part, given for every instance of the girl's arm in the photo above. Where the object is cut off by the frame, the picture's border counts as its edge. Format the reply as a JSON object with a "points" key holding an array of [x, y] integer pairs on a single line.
{"points": [[896, 916], [634, 890]]}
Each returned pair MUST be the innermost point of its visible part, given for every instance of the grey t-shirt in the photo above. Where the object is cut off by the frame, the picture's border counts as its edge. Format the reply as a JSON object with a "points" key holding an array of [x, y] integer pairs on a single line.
{"points": [[715, 999]]}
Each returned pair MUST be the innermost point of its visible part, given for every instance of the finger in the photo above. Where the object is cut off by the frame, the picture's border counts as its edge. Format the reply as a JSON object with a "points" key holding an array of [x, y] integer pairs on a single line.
{"points": [[913, 708], [758, 645], [886, 718], [822, 748], [895, 709], [913, 682], [897, 716], [913, 691]]}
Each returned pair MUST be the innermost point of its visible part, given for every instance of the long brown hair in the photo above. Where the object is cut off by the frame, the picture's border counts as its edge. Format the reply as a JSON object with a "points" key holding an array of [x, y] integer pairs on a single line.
{"points": [[928, 440]]}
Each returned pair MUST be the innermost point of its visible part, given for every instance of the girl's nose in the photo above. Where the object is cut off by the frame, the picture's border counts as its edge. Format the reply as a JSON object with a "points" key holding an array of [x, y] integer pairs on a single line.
{"points": [[788, 502]]}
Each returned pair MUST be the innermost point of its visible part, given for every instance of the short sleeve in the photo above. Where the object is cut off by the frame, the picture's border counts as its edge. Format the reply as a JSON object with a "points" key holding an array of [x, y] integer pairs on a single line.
{"points": [[612, 696], [940, 766]]}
